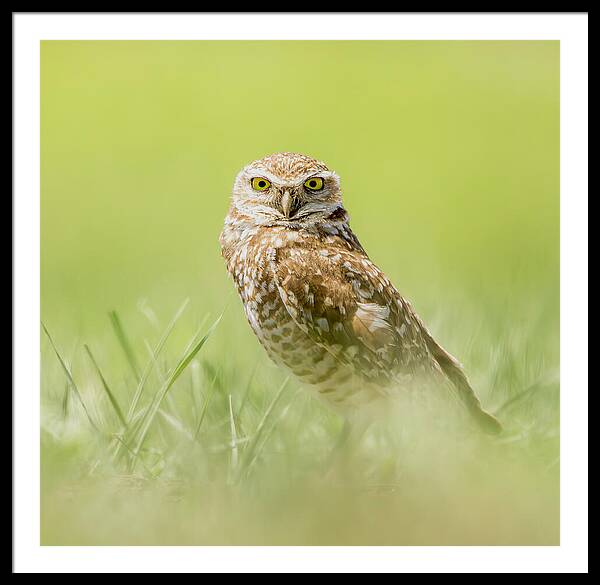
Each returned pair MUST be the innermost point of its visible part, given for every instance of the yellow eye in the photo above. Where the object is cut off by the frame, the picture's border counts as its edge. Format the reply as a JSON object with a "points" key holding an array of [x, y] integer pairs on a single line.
{"points": [[260, 184], [314, 183]]}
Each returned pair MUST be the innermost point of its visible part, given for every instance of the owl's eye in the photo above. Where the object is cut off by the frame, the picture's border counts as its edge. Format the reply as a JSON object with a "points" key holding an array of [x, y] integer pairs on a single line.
{"points": [[260, 184], [314, 183]]}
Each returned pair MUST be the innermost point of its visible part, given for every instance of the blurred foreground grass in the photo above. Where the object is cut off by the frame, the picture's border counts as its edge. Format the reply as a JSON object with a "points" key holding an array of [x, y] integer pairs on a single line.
{"points": [[448, 153], [234, 455]]}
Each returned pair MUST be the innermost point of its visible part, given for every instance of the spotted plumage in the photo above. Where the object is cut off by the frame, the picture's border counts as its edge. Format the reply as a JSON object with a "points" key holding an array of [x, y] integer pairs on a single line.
{"points": [[316, 302]]}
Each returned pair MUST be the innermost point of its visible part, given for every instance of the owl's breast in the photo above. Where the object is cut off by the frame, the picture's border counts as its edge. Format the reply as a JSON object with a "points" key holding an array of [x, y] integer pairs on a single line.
{"points": [[251, 266]]}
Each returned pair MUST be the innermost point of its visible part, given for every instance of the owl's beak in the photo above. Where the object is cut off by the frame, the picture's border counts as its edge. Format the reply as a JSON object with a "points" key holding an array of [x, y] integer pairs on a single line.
{"points": [[289, 204]]}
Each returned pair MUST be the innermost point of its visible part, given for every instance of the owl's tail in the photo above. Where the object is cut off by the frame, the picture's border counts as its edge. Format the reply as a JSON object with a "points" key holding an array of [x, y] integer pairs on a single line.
{"points": [[454, 372]]}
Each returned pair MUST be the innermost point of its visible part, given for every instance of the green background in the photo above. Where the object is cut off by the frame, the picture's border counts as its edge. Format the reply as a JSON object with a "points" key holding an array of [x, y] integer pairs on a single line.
{"points": [[448, 154]]}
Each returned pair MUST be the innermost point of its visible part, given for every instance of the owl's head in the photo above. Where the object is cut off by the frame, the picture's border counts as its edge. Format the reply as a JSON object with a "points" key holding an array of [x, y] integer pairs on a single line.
{"points": [[287, 189]]}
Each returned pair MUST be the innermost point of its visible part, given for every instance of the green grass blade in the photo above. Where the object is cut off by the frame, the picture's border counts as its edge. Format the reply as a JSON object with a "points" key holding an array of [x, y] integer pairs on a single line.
{"points": [[176, 424], [134, 424], [128, 449], [65, 400], [234, 439], [251, 450], [519, 397], [248, 387], [125, 345], [195, 387], [268, 433], [111, 396], [209, 395], [70, 379], [172, 378], [155, 353], [183, 364]]}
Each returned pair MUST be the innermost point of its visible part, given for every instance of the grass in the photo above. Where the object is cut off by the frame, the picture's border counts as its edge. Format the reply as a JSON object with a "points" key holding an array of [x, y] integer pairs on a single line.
{"points": [[160, 425], [210, 453]]}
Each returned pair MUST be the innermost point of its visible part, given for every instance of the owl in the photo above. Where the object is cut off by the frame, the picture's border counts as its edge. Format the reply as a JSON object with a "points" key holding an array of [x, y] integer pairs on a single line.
{"points": [[314, 299]]}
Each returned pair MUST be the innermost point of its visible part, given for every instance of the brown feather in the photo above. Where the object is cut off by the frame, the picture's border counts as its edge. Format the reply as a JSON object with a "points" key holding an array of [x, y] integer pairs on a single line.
{"points": [[316, 302]]}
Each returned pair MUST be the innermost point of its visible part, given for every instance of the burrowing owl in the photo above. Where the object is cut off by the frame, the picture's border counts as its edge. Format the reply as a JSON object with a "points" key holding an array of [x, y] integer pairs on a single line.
{"points": [[319, 306]]}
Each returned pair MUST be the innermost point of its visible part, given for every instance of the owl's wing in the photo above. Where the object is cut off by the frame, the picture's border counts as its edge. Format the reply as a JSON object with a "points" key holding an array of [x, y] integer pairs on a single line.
{"points": [[343, 302]]}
